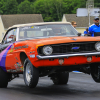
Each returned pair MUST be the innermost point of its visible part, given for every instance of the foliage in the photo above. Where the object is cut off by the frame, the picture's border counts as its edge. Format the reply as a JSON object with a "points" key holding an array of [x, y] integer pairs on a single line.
{"points": [[11, 7], [1, 6], [97, 3], [51, 10], [24, 7], [19, 1]]}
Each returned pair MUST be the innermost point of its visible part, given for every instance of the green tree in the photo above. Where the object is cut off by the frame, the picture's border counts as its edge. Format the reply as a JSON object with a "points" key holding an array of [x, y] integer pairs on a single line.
{"points": [[11, 7], [32, 0], [50, 9], [97, 3], [2, 6], [70, 6], [39, 8], [53, 10], [24, 7], [19, 1]]}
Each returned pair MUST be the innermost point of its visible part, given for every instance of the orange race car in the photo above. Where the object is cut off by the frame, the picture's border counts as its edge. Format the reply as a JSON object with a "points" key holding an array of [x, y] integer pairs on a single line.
{"points": [[50, 49]]}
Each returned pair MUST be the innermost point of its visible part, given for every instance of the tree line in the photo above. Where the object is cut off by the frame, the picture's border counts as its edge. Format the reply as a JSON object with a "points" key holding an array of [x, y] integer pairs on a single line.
{"points": [[51, 10]]}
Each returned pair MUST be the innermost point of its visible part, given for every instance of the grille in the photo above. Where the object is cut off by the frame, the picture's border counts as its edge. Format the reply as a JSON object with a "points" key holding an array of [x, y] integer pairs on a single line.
{"points": [[67, 48]]}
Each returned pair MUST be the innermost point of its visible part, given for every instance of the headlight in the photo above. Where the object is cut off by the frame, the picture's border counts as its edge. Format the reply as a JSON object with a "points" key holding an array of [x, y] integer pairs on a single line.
{"points": [[47, 50], [97, 46]]}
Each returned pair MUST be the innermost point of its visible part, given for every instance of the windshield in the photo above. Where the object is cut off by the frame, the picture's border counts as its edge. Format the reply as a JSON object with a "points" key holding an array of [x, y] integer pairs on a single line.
{"points": [[46, 31]]}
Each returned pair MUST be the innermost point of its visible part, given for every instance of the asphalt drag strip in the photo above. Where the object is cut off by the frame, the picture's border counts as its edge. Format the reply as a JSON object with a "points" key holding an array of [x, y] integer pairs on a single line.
{"points": [[80, 87]]}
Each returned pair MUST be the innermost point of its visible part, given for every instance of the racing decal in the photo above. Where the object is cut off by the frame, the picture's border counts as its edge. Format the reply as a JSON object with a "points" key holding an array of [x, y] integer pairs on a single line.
{"points": [[12, 48], [3, 57], [21, 47], [32, 56], [18, 66], [24, 28], [74, 39], [11, 70], [32, 52], [36, 27], [32, 27], [14, 30], [16, 58], [33, 47]]}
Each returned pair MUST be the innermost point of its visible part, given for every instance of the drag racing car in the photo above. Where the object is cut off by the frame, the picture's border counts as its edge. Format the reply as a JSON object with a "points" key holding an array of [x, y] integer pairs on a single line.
{"points": [[50, 49]]}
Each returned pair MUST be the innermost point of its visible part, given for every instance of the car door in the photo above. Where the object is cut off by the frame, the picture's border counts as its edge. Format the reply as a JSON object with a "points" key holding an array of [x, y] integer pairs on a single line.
{"points": [[7, 42]]}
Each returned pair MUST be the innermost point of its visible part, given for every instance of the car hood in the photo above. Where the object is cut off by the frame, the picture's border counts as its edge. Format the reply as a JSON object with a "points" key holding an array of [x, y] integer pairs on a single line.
{"points": [[63, 39]]}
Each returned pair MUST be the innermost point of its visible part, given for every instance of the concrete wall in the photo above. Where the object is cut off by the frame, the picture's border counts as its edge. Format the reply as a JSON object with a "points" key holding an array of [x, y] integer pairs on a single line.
{"points": [[80, 30], [2, 31]]}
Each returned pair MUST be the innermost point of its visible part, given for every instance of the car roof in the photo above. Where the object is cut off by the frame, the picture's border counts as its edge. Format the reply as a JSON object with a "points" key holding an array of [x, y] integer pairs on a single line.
{"points": [[42, 23]]}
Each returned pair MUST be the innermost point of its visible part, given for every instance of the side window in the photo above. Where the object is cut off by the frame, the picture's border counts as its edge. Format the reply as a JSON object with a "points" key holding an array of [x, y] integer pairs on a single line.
{"points": [[10, 36]]}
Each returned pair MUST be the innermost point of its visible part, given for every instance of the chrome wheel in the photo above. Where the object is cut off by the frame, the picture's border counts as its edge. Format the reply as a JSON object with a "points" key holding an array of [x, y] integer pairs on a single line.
{"points": [[31, 74], [28, 72]]}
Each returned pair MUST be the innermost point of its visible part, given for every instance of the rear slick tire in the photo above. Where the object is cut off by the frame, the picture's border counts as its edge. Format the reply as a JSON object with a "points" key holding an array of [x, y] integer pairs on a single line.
{"points": [[31, 74], [60, 78], [3, 79], [95, 72]]}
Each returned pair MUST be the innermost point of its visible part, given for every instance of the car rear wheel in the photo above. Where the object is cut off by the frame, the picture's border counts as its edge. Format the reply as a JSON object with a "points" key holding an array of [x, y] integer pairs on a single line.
{"points": [[95, 72], [3, 79], [60, 78], [31, 74]]}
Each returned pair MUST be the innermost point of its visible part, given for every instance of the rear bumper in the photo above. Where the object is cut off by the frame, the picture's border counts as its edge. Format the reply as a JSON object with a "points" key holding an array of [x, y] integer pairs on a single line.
{"points": [[68, 55]]}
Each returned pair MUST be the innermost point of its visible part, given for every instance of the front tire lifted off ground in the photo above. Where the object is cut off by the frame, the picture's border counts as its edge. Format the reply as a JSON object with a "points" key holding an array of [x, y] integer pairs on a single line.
{"points": [[31, 74]]}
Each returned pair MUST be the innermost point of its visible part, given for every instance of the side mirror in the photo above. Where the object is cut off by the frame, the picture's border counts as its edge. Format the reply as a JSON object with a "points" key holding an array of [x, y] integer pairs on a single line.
{"points": [[79, 34]]}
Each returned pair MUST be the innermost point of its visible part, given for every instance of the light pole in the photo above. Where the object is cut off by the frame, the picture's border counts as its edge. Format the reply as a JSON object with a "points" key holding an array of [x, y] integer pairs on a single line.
{"points": [[89, 12], [89, 6]]}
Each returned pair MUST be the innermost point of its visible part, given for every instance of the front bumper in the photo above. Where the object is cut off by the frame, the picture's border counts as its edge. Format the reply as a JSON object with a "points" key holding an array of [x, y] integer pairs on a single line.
{"points": [[68, 55]]}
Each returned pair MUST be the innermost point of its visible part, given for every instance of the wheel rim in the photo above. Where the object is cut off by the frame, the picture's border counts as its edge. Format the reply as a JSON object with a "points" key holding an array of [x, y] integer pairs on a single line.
{"points": [[28, 73]]}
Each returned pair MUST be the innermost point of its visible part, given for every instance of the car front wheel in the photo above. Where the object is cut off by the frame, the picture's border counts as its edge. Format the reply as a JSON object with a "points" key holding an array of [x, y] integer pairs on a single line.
{"points": [[31, 74]]}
